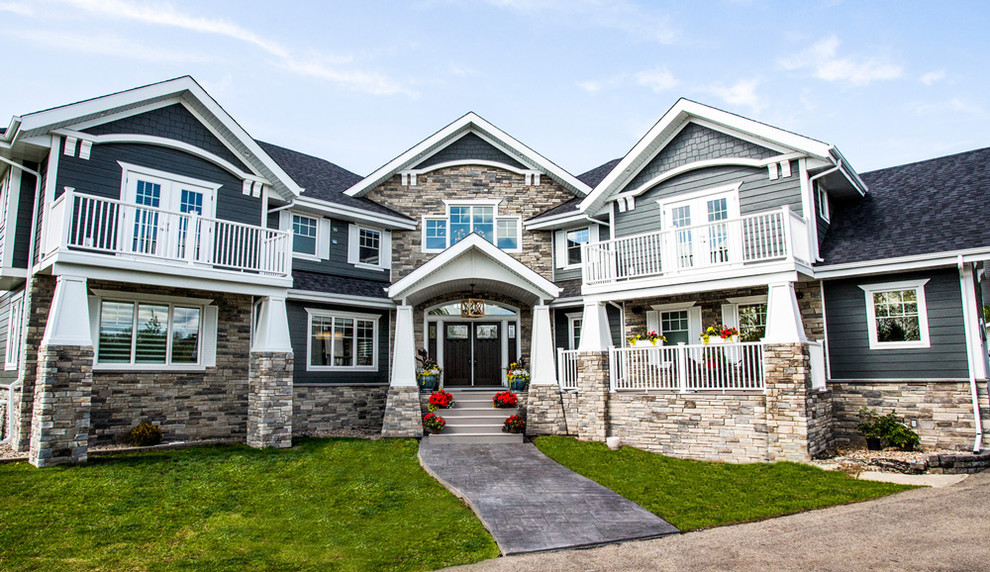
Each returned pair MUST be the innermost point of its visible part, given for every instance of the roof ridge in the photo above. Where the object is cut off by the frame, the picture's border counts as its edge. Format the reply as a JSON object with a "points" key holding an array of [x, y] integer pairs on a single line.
{"points": [[929, 160]]}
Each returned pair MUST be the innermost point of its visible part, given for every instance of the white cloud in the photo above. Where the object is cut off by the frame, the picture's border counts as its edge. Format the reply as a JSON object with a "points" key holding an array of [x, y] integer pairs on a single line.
{"points": [[659, 80], [742, 93], [932, 77], [624, 16], [825, 64], [16, 8], [105, 45]]}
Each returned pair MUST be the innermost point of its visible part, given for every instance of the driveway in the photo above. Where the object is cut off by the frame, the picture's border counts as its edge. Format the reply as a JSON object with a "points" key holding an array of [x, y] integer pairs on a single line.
{"points": [[923, 529]]}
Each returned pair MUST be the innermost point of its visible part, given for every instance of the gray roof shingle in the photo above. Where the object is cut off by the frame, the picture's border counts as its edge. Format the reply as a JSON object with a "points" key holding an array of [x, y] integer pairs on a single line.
{"points": [[315, 282], [590, 178], [931, 206]]}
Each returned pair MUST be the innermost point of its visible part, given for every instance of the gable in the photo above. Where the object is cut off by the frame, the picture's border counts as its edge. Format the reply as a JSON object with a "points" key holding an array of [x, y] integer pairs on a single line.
{"points": [[172, 122], [697, 143], [469, 147]]}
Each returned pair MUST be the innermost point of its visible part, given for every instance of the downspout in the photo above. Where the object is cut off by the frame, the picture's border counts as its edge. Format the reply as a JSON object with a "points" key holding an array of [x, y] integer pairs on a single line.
{"points": [[971, 359], [28, 284]]}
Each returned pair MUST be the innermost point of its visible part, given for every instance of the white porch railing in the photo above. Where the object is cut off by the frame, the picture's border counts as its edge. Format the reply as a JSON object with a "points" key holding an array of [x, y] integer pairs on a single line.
{"points": [[94, 224], [713, 367], [567, 371], [816, 351], [762, 237]]}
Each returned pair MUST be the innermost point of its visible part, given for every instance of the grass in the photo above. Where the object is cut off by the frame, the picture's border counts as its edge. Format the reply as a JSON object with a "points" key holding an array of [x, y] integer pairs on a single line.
{"points": [[329, 504], [696, 494]]}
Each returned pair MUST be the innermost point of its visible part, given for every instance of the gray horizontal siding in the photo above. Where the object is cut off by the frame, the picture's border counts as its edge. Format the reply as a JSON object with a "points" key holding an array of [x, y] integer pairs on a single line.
{"points": [[756, 194], [337, 264], [25, 207], [101, 176], [850, 356], [468, 147], [574, 273], [299, 335]]}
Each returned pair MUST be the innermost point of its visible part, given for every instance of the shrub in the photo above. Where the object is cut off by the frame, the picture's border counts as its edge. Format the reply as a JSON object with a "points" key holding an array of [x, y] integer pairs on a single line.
{"points": [[145, 435], [889, 428], [505, 399]]}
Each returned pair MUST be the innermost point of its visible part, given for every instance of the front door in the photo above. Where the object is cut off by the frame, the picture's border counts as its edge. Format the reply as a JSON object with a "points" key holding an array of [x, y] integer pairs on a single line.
{"points": [[472, 355]]}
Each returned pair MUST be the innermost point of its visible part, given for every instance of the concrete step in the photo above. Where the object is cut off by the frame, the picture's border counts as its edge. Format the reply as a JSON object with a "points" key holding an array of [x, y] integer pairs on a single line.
{"points": [[480, 412], [475, 438], [472, 428]]}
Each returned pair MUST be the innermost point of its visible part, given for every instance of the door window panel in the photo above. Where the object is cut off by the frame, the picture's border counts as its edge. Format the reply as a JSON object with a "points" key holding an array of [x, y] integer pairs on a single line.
{"points": [[674, 326]]}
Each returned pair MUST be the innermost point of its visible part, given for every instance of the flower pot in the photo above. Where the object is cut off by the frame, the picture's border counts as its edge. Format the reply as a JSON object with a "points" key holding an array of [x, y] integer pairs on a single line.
{"points": [[513, 430], [874, 443], [432, 431], [518, 384], [428, 382], [613, 443]]}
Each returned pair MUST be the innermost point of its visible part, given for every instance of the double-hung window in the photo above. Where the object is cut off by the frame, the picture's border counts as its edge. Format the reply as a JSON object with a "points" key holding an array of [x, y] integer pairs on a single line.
{"points": [[897, 314], [342, 341], [477, 217], [748, 314], [304, 234], [568, 245], [15, 316], [369, 247]]}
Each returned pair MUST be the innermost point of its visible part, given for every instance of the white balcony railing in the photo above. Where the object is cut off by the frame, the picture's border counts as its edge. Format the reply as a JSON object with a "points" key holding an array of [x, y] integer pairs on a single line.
{"points": [[764, 237], [567, 371], [681, 367], [93, 224]]}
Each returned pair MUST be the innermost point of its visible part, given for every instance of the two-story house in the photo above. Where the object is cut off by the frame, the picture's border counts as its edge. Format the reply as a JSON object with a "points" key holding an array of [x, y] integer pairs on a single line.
{"points": [[158, 264]]}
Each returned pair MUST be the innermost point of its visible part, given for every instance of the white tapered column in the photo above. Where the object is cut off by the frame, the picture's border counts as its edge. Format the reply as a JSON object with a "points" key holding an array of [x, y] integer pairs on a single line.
{"points": [[595, 333], [273, 327], [542, 358], [404, 353], [783, 316]]}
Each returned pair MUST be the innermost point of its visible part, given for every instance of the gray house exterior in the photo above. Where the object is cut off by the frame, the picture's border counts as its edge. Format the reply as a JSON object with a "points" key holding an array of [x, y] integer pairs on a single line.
{"points": [[157, 264]]}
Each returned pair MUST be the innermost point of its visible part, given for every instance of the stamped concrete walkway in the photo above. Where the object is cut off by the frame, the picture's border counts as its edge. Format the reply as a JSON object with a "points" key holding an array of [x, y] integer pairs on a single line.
{"points": [[531, 503]]}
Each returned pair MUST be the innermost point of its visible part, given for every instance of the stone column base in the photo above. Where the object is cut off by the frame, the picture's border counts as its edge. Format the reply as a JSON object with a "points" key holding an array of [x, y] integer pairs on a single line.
{"points": [[545, 411], [788, 378], [593, 386], [403, 416], [270, 400], [62, 398]]}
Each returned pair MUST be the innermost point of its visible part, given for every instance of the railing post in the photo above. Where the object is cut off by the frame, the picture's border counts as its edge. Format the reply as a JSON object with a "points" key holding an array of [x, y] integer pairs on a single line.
{"points": [[786, 210], [68, 208], [192, 234], [682, 367]]}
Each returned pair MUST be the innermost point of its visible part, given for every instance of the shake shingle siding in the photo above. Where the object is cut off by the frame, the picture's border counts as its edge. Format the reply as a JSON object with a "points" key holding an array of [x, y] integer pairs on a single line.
{"points": [[850, 356], [468, 147]]}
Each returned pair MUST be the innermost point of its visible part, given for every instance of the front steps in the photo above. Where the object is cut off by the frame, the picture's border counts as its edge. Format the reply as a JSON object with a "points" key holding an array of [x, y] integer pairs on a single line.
{"points": [[472, 420]]}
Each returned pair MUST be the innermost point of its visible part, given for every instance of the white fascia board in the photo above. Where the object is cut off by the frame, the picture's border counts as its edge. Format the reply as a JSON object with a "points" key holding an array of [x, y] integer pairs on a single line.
{"points": [[903, 263], [340, 299], [468, 122], [473, 241], [352, 213], [851, 175], [782, 272], [555, 221]]}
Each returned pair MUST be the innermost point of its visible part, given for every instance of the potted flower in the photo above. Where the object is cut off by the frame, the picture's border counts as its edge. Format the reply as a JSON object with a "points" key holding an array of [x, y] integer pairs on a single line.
{"points": [[505, 399], [428, 372], [433, 423], [441, 400], [723, 332], [647, 336], [513, 424], [518, 376]]}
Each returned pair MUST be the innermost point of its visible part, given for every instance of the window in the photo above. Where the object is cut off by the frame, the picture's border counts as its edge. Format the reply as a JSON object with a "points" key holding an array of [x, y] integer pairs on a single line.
{"points": [[304, 234], [342, 341], [701, 229], [569, 245], [574, 329], [674, 326], [897, 316], [480, 218], [679, 322], [369, 247], [821, 196], [14, 322], [752, 322], [152, 333]]}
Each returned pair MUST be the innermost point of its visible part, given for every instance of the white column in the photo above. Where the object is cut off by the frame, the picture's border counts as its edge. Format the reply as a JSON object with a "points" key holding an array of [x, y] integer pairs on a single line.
{"points": [[541, 350], [68, 319], [595, 333], [971, 322], [273, 327], [404, 352], [784, 324]]}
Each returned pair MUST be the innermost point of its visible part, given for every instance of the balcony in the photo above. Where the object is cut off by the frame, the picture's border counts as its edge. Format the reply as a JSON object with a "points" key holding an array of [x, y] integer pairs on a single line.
{"points": [[687, 252], [86, 224]]}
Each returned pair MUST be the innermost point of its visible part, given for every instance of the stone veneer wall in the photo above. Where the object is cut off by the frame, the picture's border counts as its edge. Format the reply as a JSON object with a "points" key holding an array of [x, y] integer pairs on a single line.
{"points": [[821, 423], [788, 381], [551, 411], [61, 418], [324, 410], [36, 304], [269, 422], [942, 410], [403, 412], [466, 183]]}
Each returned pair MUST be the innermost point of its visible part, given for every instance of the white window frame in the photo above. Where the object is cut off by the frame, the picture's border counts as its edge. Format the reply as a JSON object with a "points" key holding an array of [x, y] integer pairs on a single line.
{"points": [[323, 234], [493, 203], [316, 236], [14, 331], [354, 247], [919, 287], [730, 311], [572, 318], [317, 312], [561, 245], [171, 187], [654, 323], [208, 317], [821, 198]]}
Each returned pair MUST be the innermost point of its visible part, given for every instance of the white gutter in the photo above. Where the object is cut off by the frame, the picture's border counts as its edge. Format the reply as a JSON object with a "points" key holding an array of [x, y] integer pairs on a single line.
{"points": [[28, 284], [971, 359], [291, 204]]}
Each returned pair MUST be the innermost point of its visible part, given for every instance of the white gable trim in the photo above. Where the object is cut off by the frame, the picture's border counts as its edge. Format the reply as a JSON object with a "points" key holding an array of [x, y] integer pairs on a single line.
{"points": [[705, 164], [536, 284], [470, 122], [528, 173]]}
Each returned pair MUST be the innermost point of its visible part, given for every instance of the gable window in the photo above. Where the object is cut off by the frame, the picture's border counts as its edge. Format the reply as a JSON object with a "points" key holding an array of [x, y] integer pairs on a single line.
{"points": [[342, 341], [465, 218], [897, 314], [15, 316], [304, 234], [154, 333], [822, 199], [369, 247], [569, 245]]}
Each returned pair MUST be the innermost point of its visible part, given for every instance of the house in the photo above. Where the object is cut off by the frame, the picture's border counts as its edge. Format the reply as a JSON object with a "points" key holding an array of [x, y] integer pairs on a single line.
{"points": [[159, 264]]}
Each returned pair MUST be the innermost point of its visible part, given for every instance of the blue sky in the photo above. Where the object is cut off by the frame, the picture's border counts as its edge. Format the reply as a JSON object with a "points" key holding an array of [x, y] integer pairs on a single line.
{"points": [[579, 81]]}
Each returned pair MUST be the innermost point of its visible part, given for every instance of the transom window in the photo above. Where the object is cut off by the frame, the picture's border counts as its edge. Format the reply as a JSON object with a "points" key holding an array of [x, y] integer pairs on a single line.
{"points": [[304, 234], [148, 333], [897, 314], [342, 341], [463, 219]]}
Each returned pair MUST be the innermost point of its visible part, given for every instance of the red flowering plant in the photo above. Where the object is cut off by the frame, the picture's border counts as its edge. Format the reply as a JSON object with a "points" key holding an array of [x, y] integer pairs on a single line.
{"points": [[434, 423], [505, 399], [514, 424], [652, 336], [441, 399]]}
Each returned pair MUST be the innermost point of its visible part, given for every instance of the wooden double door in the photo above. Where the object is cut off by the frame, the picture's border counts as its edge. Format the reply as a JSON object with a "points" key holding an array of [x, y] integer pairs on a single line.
{"points": [[472, 354]]}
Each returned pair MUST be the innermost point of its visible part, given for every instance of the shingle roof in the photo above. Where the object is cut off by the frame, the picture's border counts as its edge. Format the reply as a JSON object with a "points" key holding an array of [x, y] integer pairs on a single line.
{"points": [[315, 282], [590, 178], [931, 206], [322, 179], [569, 288]]}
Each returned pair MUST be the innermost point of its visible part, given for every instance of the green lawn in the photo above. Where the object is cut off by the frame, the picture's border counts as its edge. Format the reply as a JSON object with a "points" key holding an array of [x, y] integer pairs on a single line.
{"points": [[329, 504], [695, 494]]}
